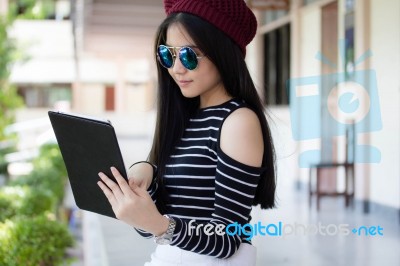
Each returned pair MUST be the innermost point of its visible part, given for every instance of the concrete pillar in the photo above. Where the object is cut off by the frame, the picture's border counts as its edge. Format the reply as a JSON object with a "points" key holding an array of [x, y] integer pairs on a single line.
{"points": [[362, 44], [255, 59], [295, 63], [120, 85]]}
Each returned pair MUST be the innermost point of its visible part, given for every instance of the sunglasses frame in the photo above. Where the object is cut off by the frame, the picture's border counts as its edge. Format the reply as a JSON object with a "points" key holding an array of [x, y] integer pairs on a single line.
{"points": [[174, 55]]}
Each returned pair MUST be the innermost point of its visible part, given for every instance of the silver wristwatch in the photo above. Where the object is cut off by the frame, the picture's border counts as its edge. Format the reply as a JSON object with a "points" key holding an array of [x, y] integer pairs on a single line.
{"points": [[166, 238]]}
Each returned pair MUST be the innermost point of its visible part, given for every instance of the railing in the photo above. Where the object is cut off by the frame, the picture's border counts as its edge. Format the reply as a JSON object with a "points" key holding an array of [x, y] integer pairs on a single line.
{"points": [[31, 135]]}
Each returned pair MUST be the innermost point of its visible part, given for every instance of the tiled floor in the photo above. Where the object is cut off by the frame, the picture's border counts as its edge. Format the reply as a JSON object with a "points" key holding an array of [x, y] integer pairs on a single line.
{"points": [[123, 246], [336, 247]]}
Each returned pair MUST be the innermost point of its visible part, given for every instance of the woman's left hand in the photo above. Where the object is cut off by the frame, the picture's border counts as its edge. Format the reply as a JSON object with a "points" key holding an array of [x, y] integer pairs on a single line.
{"points": [[132, 204]]}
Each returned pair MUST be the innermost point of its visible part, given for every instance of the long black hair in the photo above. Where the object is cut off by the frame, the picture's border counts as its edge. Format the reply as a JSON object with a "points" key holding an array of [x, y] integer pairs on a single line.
{"points": [[174, 110]]}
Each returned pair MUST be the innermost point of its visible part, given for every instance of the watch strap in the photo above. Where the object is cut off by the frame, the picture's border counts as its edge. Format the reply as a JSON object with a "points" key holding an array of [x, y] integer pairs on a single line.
{"points": [[166, 238]]}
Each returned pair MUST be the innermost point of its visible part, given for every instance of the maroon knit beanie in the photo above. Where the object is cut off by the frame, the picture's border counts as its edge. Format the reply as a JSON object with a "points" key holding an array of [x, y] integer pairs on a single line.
{"points": [[233, 17]]}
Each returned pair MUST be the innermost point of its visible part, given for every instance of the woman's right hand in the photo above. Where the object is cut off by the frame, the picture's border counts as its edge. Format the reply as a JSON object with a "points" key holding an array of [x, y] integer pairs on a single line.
{"points": [[141, 174]]}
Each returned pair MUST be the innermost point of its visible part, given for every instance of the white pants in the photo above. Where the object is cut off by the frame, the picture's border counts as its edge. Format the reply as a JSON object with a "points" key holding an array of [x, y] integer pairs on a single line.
{"points": [[166, 255]]}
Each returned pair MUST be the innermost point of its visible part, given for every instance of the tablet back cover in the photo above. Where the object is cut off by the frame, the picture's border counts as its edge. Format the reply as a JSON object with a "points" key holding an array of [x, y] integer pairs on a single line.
{"points": [[88, 146]]}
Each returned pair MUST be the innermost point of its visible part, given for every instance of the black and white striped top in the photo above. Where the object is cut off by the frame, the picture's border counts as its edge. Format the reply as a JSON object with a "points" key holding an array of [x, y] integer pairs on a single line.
{"points": [[206, 185]]}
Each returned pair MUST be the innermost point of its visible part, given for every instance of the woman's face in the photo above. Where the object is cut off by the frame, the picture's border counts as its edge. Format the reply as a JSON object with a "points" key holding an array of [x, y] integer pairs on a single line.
{"points": [[204, 81]]}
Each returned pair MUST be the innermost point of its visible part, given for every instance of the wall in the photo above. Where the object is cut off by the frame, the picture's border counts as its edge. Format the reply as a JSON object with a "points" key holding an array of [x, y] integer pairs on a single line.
{"points": [[385, 46], [94, 99]]}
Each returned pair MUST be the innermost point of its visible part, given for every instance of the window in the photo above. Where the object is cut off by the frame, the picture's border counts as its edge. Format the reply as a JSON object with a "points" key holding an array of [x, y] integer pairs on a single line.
{"points": [[37, 96], [277, 65], [307, 2]]}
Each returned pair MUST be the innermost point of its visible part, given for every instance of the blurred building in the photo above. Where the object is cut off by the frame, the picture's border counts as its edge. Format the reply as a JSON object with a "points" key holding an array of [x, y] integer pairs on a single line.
{"points": [[344, 40], [94, 54]]}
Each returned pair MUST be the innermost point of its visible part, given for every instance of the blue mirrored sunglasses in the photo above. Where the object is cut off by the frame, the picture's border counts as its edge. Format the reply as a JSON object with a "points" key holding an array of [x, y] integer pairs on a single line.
{"points": [[167, 54]]}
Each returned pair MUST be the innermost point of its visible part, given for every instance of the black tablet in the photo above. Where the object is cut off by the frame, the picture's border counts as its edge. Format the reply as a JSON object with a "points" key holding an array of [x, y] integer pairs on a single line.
{"points": [[88, 146]]}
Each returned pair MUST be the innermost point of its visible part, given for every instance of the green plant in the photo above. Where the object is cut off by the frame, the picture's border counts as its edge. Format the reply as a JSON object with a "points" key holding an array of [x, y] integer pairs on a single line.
{"points": [[32, 9], [9, 98], [46, 179], [49, 172], [7, 210], [25, 201], [37, 241], [50, 157], [8, 146]]}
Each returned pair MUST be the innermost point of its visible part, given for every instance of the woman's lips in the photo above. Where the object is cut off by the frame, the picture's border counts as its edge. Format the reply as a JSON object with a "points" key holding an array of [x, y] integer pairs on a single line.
{"points": [[184, 82]]}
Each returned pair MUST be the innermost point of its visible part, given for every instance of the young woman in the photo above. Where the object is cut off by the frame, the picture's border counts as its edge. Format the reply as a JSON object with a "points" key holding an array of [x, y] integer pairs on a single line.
{"points": [[212, 157]]}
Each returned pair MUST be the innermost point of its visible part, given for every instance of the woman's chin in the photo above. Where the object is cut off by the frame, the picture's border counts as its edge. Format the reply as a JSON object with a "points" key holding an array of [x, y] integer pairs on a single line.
{"points": [[189, 94]]}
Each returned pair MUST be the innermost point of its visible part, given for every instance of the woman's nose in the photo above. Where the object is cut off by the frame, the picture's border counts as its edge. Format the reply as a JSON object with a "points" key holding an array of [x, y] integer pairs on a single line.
{"points": [[178, 68]]}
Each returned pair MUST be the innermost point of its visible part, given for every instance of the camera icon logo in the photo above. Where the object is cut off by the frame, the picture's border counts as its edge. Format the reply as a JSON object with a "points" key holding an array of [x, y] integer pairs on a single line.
{"points": [[348, 99]]}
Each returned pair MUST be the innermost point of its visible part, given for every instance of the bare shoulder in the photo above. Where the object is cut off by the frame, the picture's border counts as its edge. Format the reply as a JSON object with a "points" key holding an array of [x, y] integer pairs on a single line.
{"points": [[241, 137]]}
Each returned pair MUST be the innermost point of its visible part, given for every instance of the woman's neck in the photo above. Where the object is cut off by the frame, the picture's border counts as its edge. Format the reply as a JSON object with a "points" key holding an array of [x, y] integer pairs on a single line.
{"points": [[215, 98]]}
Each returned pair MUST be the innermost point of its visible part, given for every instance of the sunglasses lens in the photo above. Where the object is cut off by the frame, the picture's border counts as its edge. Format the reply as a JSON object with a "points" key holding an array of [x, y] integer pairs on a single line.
{"points": [[188, 58], [165, 57]]}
